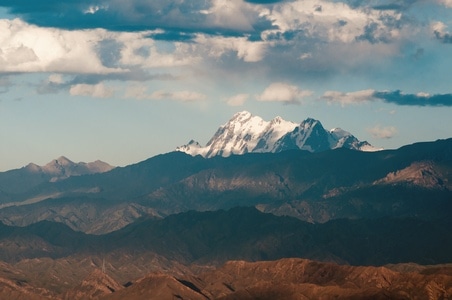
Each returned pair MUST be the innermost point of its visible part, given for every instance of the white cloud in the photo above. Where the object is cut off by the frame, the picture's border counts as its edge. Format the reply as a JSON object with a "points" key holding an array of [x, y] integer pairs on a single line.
{"points": [[140, 92], [215, 46], [298, 25], [439, 27], [237, 100], [141, 51], [308, 36], [28, 48], [231, 14], [334, 21], [283, 92], [97, 91], [446, 3], [183, 96], [56, 78], [136, 91], [94, 9], [304, 56], [318, 36], [423, 95], [346, 98], [440, 31], [382, 132]]}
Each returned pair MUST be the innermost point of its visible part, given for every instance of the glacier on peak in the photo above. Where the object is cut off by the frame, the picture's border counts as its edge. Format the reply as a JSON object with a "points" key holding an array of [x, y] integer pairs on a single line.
{"points": [[246, 133]]}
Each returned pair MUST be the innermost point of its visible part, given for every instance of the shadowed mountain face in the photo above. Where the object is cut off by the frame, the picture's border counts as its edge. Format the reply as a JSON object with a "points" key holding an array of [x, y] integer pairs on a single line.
{"points": [[241, 233], [413, 181]]}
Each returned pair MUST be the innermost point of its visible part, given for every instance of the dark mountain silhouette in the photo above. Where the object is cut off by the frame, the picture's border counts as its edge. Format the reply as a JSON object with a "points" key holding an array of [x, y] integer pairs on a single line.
{"points": [[242, 233]]}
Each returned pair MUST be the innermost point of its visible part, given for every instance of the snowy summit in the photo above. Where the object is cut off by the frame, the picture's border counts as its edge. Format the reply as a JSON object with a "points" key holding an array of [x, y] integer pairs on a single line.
{"points": [[246, 133]]}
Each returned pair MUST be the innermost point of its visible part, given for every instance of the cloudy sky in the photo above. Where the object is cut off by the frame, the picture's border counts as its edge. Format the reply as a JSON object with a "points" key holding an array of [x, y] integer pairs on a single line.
{"points": [[122, 81]]}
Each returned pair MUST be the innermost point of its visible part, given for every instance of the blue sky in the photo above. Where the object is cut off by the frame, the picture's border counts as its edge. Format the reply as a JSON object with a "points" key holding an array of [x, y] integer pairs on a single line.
{"points": [[122, 81]]}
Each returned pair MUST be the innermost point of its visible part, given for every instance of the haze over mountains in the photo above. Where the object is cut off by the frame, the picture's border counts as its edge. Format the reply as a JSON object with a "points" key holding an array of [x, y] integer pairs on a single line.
{"points": [[258, 191]]}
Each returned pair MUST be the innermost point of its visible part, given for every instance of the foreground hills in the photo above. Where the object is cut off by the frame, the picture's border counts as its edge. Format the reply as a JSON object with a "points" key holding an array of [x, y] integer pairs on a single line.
{"points": [[282, 279], [188, 256]]}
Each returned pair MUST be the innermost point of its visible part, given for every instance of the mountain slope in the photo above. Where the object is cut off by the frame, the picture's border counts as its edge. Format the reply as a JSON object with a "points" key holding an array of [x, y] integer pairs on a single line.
{"points": [[305, 279], [293, 279], [14, 285], [90, 215], [245, 133], [116, 185], [158, 287], [96, 285], [317, 187]]}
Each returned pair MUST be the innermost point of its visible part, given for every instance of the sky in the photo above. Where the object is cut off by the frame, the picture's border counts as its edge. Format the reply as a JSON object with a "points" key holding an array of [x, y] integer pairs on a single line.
{"points": [[122, 81]]}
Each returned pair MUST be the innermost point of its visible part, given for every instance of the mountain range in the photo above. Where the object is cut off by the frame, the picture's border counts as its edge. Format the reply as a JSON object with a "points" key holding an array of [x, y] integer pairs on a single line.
{"points": [[246, 133], [242, 218], [314, 187], [32, 175]]}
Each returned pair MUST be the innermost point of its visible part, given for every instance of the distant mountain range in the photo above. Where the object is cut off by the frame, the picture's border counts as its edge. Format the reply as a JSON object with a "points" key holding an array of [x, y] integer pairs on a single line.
{"points": [[19, 180], [246, 133]]}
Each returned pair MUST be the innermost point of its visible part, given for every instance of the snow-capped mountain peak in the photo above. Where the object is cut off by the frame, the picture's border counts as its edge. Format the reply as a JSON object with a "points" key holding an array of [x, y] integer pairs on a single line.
{"points": [[245, 133], [277, 120], [344, 139], [241, 116], [239, 135], [193, 147], [339, 132]]}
